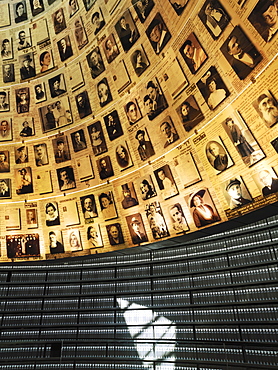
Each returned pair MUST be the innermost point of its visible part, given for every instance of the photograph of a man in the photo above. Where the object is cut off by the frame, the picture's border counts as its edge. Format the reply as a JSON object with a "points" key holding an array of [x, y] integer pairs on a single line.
{"points": [[105, 167], [127, 30], [5, 131], [5, 188], [132, 112], [145, 147], [22, 43], [66, 178], [238, 193], [267, 108], [113, 125], [158, 33], [264, 18], [8, 73], [168, 132], [129, 196], [27, 130], [193, 53], [143, 8], [78, 140], [89, 206], [240, 53], [136, 229], [61, 149], [154, 100], [41, 154], [95, 62], [269, 183], [190, 113], [83, 104], [217, 155], [4, 101], [27, 69], [65, 49], [214, 17]]}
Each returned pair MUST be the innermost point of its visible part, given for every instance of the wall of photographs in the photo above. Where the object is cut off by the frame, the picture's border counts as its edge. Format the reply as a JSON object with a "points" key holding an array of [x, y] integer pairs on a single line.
{"points": [[127, 122]]}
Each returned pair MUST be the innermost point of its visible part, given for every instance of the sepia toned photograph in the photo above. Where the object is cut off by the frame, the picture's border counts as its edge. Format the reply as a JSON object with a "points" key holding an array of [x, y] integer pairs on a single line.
{"points": [[27, 66], [66, 178], [115, 234], [105, 168], [179, 223], [6, 133], [98, 21], [57, 85], [61, 149], [83, 104], [267, 108], [73, 7], [8, 73], [103, 92], [168, 132], [5, 188], [59, 21], [52, 217], [178, 5], [6, 48], [21, 154], [145, 147], [24, 40], [23, 180], [37, 7], [129, 198], [264, 19], [4, 101], [110, 48], [139, 60], [80, 34], [56, 242], [266, 180], [89, 207], [193, 53], [136, 228], [236, 193], [113, 125], [65, 48], [146, 187], [40, 93], [97, 138], [20, 11], [95, 62], [74, 240], [156, 220], [31, 218], [166, 182], [56, 114], [107, 205], [127, 30], [22, 100], [123, 156], [4, 161], [78, 140], [217, 155], [190, 113], [143, 8], [158, 34], [153, 99], [94, 236], [41, 155], [23, 245], [46, 61], [132, 111], [28, 128]]}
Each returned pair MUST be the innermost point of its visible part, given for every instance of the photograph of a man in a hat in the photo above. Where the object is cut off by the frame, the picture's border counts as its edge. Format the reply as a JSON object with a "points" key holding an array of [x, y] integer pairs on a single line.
{"points": [[27, 70], [239, 195], [136, 229]]}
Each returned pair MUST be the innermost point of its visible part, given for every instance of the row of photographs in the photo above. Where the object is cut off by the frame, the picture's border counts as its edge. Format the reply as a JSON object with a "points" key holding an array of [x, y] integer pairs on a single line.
{"points": [[237, 49], [201, 207]]}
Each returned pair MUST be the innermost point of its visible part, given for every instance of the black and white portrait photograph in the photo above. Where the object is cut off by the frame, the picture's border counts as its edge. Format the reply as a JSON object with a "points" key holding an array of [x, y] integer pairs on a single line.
{"points": [[103, 92], [59, 21], [8, 73], [145, 147], [266, 180], [97, 21], [123, 156], [61, 149], [153, 99], [158, 33], [4, 100], [56, 242], [132, 111], [66, 178], [23, 180], [52, 217], [89, 207], [6, 48], [88, 4], [27, 66], [179, 222], [110, 48], [146, 187], [78, 140], [113, 125], [217, 155], [264, 18], [31, 218], [97, 138], [267, 108], [193, 53], [115, 234], [4, 161], [190, 113], [80, 33], [156, 220], [139, 60], [95, 62], [20, 11], [107, 205], [166, 182], [27, 127], [22, 100], [127, 30], [136, 228], [65, 48], [41, 155], [73, 7], [129, 197], [240, 53], [178, 5], [243, 140], [23, 245], [37, 7], [83, 104], [57, 85], [57, 114], [214, 17], [202, 208], [105, 168], [5, 188], [40, 92], [46, 62], [213, 88], [143, 8], [94, 236], [6, 132], [74, 240], [168, 132], [236, 193], [21, 154], [23, 39]]}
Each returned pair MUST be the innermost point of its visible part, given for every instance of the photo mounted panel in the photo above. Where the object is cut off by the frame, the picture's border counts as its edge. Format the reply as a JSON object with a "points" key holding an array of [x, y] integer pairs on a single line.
{"points": [[23, 180], [20, 11], [236, 193], [110, 48], [46, 61], [153, 99], [52, 217], [61, 149], [4, 101], [84, 168], [136, 228], [158, 33], [5, 188], [80, 34], [113, 125], [40, 92], [70, 212], [217, 155], [168, 132], [83, 104], [191, 175], [31, 218], [129, 197], [143, 8], [6, 132], [74, 240], [263, 19], [23, 245], [105, 168], [22, 100], [55, 242], [193, 53], [78, 140], [145, 147], [107, 205], [146, 187], [139, 60], [123, 156], [89, 207], [28, 127], [41, 155], [266, 180], [66, 178], [127, 30], [4, 161]]}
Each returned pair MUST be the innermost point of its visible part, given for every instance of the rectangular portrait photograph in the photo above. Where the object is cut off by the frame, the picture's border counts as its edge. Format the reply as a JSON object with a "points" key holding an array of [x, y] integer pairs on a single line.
{"points": [[23, 180], [80, 33], [214, 17], [202, 208], [266, 180], [94, 236], [243, 140], [22, 100], [23, 39], [267, 108], [178, 5], [213, 88], [123, 156], [129, 197], [41, 155], [178, 220], [40, 92], [57, 114], [168, 132], [113, 125], [83, 104], [107, 205], [45, 61], [153, 99], [78, 140], [193, 53], [127, 30], [145, 147], [264, 19], [97, 138], [61, 149], [115, 234], [26, 127], [66, 178], [74, 240], [105, 168], [217, 155], [236, 193], [241, 53], [23, 245], [6, 47], [57, 85], [158, 33], [89, 207], [146, 187], [132, 111], [190, 113], [143, 8], [6, 132], [5, 188], [166, 182], [136, 228], [139, 60], [31, 218], [156, 220], [110, 48], [27, 66], [4, 100]]}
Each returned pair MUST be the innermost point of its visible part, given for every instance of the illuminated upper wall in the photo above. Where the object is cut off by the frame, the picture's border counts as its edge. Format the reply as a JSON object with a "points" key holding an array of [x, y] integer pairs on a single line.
{"points": [[155, 117]]}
